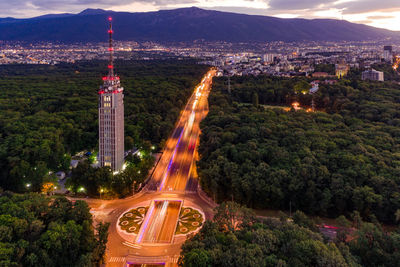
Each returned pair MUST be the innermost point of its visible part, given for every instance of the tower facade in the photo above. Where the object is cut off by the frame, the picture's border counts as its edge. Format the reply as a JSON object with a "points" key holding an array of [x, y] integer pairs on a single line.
{"points": [[111, 116], [388, 53]]}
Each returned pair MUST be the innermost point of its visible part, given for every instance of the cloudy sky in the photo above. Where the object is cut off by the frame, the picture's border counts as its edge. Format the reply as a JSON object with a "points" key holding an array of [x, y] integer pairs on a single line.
{"points": [[379, 13]]}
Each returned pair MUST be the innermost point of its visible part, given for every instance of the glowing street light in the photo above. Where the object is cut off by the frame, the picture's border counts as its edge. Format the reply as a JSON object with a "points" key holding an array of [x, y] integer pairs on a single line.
{"points": [[81, 189], [296, 105], [28, 185]]}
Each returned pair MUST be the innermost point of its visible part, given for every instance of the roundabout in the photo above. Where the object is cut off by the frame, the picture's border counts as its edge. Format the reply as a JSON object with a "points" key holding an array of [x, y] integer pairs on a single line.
{"points": [[134, 222]]}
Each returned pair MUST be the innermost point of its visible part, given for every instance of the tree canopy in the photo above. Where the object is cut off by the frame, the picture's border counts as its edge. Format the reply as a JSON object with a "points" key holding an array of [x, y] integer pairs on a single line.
{"points": [[272, 242], [344, 157], [41, 231], [259, 243]]}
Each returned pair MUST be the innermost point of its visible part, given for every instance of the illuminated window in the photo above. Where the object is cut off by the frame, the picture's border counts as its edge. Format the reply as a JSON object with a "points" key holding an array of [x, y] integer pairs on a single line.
{"points": [[107, 163]]}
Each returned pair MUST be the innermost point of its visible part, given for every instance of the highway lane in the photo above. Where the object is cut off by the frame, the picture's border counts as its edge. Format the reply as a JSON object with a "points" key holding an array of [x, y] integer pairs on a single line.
{"points": [[161, 222], [168, 226], [179, 174]]}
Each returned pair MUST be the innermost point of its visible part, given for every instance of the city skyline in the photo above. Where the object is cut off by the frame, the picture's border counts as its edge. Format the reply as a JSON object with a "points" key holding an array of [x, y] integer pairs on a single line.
{"points": [[383, 14]]}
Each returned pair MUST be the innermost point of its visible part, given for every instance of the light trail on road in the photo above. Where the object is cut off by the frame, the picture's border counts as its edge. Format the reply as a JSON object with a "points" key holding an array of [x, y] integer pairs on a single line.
{"points": [[145, 223], [161, 223], [170, 164]]}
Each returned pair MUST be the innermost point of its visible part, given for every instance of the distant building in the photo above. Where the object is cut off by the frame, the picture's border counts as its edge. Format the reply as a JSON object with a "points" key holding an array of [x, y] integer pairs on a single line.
{"points": [[315, 87], [388, 53], [320, 74], [372, 75], [306, 69], [60, 175], [74, 163], [341, 70], [331, 82], [269, 58]]}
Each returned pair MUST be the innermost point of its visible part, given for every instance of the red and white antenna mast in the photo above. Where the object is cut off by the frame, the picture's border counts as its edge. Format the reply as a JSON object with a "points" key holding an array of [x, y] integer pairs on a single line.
{"points": [[111, 50]]}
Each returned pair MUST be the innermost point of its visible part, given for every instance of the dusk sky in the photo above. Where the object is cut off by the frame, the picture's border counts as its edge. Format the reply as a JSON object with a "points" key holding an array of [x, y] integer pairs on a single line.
{"points": [[378, 13]]}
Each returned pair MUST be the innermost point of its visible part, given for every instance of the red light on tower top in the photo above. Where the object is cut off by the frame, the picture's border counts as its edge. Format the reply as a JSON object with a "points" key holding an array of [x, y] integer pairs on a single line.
{"points": [[110, 49]]}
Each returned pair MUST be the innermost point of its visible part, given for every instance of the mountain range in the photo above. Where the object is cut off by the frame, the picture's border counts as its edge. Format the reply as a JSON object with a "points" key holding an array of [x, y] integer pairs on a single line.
{"points": [[184, 25]]}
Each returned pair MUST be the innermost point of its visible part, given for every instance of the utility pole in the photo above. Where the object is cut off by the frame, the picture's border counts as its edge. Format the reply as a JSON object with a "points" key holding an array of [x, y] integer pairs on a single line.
{"points": [[312, 104], [133, 187]]}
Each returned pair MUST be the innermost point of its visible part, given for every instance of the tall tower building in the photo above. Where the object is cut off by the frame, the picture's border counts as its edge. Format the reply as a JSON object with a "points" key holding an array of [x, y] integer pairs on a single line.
{"points": [[111, 116], [388, 53]]}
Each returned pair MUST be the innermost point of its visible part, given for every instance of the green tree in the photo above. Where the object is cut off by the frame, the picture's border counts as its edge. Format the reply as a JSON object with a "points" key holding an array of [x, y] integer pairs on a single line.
{"points": [[302, 87], [232, 216], [194, 258], [255, 100]]}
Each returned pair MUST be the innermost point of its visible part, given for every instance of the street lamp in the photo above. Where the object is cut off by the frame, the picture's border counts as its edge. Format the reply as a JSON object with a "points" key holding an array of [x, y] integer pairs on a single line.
{"points": [[101, 191], [133, 187], [28, 185]]}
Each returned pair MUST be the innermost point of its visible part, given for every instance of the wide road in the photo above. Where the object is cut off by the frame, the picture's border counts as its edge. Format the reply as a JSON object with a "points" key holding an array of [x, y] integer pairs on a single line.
{"points": [[173, 170], [159, 226], [168, 226], [165, 193]]}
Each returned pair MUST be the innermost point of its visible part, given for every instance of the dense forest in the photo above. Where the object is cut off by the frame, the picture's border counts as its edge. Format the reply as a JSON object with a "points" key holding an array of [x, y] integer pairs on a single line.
{"points": [[235, 237], [342, 158], [41, 231], [48, 113]]}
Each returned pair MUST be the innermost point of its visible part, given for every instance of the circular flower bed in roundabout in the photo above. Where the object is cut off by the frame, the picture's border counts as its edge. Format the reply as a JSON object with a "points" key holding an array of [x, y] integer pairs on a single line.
{"points": [[131, 221], [190, 220]]}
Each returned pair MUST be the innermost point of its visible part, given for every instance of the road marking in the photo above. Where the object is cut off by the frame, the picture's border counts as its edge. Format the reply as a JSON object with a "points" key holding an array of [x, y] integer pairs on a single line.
{"points": [[116, 259], [132, 245], [175, 259]]}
